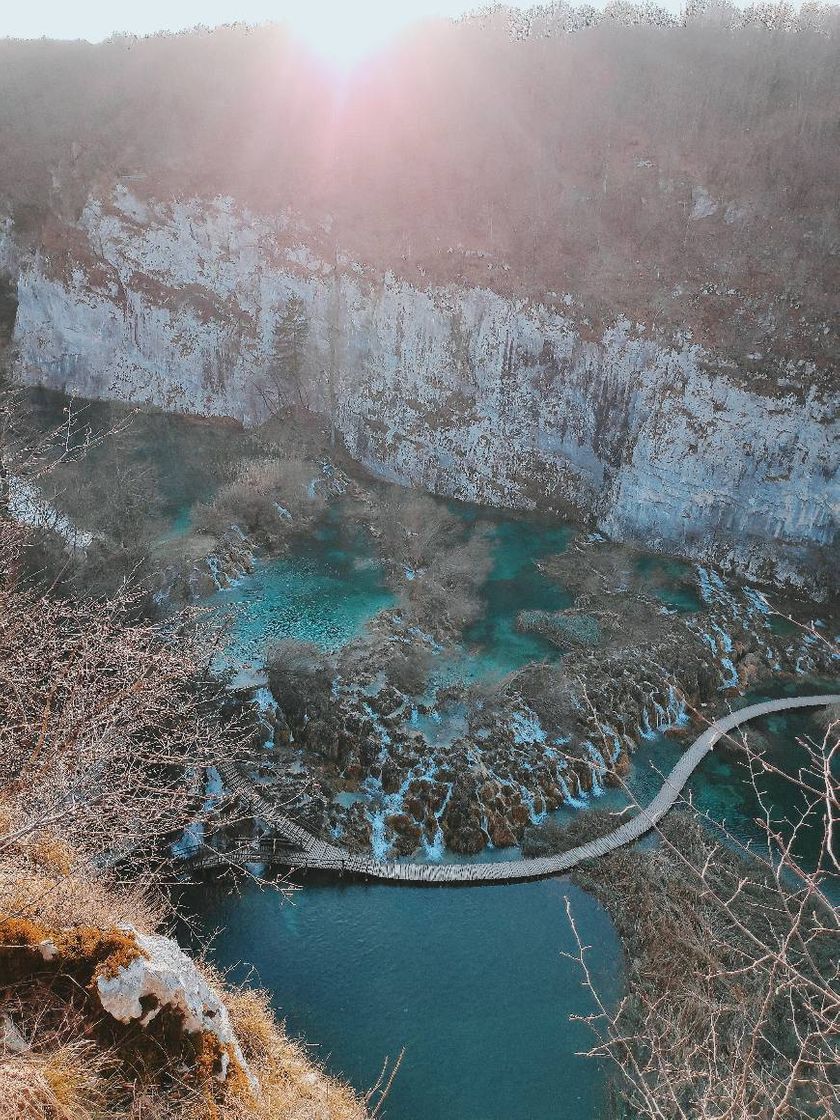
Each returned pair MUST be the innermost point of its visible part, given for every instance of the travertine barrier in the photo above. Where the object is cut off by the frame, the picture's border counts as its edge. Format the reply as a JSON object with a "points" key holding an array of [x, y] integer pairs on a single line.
{"points": [[308, 851]]}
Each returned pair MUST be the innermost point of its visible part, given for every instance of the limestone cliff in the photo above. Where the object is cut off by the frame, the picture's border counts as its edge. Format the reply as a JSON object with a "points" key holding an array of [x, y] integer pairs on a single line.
{"points": [[456, 389]]}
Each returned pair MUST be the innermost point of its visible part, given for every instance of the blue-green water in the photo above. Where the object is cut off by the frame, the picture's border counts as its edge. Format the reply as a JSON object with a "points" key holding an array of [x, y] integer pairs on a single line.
{"points": [[323, 591], [470, 981], [721, 786], [670, 581], [330, 584], [180, 523], [516, 584]]}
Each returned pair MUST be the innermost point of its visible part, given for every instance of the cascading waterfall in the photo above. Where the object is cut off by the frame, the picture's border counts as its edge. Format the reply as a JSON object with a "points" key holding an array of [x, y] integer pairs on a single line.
{"points": [[214, 568], [672, 714], [676, 707], [575, 802], [193, 835], [435, 849], [598, 767], [753, 614], [267, 706]]}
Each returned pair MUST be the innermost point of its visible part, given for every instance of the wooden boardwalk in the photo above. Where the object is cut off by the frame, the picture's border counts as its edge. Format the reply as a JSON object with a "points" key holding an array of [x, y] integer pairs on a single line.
{"points": [[297, 848]]}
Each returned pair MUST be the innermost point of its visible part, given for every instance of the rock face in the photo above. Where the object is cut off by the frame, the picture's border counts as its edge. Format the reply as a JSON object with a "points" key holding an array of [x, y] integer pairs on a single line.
{"points": [[138, 979], [163, 978], [454, 389]]}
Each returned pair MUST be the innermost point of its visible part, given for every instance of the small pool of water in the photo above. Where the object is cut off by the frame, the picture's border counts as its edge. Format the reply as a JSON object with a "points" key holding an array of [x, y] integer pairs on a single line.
{"points": [[470, 981], [515, 584], [179, 525], [721, 784], [672, 582], [442, 726], [324, 591]]}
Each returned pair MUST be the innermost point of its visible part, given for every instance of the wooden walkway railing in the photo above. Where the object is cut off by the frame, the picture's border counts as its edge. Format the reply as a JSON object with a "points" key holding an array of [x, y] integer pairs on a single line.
{"points": [[310, 852]]}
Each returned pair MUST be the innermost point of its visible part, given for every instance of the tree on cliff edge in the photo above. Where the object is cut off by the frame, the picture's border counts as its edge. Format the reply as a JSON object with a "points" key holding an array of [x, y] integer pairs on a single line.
{"points": [[282, 385], [8, 312], [731, 1008]]}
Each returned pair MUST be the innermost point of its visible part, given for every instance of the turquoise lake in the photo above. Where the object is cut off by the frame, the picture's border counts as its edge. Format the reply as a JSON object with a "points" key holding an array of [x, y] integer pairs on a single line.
{"points": [[323, 591], [472, 982]]}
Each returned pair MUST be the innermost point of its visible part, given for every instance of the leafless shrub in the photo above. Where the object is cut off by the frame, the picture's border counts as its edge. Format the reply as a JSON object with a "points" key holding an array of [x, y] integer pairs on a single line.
{"points": [[266, 498], [106, 726], [413, 528], [733, 952], [440, 568], [408, 669], [300, 676]]}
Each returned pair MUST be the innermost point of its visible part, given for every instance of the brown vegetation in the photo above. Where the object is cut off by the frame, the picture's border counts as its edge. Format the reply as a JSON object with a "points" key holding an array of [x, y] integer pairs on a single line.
{"points": [[437, 565], [106, 727], [266, 499], [682, 174], [100, 720], [732, 1008]]}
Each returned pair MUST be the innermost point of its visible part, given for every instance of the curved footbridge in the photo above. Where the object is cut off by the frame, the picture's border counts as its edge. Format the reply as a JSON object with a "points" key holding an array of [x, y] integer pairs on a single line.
{"points": [[295, 847]]}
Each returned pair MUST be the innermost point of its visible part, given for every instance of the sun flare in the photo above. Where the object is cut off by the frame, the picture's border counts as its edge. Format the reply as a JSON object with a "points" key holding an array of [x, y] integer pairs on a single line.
{"points": [[344, 32]]}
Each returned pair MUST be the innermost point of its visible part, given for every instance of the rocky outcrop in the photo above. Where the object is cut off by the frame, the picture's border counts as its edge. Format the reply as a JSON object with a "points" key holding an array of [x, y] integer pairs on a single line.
{"points": [[27, 505], [163, 979], [458, 390], [102, 1010], [139, 980]]}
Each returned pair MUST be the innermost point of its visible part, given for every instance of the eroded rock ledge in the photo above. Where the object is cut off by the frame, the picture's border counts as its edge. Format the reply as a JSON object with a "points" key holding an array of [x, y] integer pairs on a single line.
{"points": [[138, 980], [456, 390]]}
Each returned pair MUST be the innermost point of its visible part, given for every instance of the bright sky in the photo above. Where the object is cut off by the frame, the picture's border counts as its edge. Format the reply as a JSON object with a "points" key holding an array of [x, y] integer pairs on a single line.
{"points": [[342, 30], [96, 19]]}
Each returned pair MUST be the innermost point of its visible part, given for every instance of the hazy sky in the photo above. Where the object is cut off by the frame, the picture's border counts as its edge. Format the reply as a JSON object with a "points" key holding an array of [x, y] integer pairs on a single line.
{"points": [[96, 19]]}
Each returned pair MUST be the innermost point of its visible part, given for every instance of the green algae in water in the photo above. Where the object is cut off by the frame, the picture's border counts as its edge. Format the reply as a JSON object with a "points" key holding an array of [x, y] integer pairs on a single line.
{"points": [[724, 776], [179, 524], [721, 786], [516, 584], [782, 627], [671, 581], [567, 629]]}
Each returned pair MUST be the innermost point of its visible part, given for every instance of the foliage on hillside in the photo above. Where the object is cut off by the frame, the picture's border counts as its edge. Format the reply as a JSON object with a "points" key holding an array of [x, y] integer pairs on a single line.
{"points": [[669, 172], [732, 996], [106, 727]]}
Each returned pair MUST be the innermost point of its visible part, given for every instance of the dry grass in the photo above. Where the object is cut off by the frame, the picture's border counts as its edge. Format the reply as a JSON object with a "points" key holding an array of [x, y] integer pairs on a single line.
{"points": [[44, 879], [67, 1083], [71, 1069], [100, 719], [69, 1073], [292, 1087]]}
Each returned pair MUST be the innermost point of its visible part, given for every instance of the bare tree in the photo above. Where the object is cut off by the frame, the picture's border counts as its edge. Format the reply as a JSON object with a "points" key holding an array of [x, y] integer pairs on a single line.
{"points": [[300, 676], [732, 1010], [106, 726]]}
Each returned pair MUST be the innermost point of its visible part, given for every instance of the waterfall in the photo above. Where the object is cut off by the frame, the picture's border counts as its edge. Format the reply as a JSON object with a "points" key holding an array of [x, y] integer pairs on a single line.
{"points": [[215, 571], [598, 766], [575, 802], [434, 850]]}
